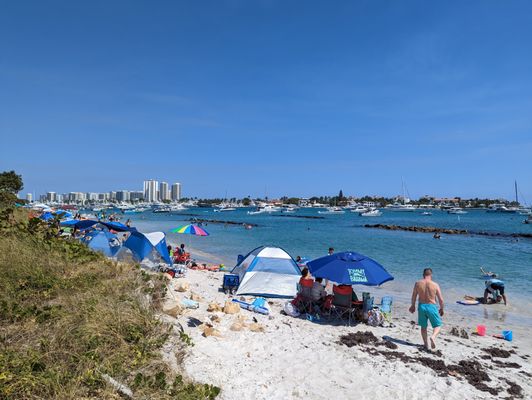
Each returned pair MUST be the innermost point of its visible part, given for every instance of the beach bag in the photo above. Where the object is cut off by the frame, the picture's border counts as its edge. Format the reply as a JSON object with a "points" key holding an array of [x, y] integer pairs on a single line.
{"points": [[375, 318], [290, 309]]}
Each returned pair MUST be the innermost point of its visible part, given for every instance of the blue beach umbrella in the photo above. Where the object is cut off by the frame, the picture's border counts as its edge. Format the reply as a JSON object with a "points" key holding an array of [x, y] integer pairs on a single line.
{"points": [[78, 224], [349, 268], [63, 213]]}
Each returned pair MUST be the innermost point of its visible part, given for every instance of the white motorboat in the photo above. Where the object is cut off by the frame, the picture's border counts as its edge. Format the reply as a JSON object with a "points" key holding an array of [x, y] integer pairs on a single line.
{"points": [[177, 207], [268, 208], [224, 208], [456, 210], [501, 208], [164, 209], [332, 210], [400, 207], [371, 213], [360, 209], [426, 213]]}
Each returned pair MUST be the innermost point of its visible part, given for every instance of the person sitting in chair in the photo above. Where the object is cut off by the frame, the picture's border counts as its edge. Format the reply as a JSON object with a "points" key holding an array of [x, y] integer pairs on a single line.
{"points": [[305, 275], [318, 292]]}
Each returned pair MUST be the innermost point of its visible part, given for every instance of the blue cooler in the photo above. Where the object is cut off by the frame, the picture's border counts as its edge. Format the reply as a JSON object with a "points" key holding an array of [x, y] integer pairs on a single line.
{"points": [[231, 282]]}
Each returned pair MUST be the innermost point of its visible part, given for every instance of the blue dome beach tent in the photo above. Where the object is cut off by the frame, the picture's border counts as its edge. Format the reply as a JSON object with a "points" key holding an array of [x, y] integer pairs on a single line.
{"points": [[349, 268], [147, 246], [267, 272], [104, 242]]}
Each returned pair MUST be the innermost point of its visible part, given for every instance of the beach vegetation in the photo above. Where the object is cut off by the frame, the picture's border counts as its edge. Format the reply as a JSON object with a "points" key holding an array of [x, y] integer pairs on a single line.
{"points": [[10, 185], [74, 324]]}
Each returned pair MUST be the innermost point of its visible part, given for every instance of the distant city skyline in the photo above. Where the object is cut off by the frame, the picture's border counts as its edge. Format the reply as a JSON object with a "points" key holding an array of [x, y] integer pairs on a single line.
{"points": [[269, 98]]}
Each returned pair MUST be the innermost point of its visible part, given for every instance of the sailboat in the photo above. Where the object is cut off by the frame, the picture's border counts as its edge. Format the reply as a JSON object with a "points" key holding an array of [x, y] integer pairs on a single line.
{"points": [[401, 207]]}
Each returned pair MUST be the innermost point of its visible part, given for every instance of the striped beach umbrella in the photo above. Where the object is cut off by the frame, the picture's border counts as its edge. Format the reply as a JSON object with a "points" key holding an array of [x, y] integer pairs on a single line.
{"points": [[191, 229]]}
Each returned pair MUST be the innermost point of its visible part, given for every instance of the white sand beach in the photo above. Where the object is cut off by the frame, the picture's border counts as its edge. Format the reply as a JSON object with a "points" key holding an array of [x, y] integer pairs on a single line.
{"points": [[293, 358]]}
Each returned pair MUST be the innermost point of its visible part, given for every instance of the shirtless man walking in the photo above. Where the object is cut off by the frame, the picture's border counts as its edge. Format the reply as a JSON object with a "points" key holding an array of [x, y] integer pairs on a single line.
{"points": [[427, 291]]}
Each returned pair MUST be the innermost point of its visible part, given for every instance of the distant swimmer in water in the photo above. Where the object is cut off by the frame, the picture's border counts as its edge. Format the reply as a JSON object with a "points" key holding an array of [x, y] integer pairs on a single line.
{"points": [[436, 235], [488, 273]]}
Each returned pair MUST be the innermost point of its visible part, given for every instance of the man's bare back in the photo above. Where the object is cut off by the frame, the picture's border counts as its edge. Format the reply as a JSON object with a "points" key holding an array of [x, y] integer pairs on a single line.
{"points": [[426, 291]]}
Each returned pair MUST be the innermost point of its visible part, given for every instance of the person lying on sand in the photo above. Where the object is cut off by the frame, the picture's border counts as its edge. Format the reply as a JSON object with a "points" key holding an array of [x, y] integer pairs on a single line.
{"points": [[490, 300]]}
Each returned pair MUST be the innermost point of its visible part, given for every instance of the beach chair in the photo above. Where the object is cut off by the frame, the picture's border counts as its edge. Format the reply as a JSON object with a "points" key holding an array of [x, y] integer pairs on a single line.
{"points": [[342, 304], [386, 308], [304, 290]]}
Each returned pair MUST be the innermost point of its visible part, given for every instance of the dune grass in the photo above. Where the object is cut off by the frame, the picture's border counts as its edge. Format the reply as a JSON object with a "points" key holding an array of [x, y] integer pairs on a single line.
{"points": [[69, 317]]}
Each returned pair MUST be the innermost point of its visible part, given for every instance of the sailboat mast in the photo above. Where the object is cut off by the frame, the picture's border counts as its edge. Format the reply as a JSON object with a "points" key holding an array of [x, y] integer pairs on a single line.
{"points": [[403, 185]]}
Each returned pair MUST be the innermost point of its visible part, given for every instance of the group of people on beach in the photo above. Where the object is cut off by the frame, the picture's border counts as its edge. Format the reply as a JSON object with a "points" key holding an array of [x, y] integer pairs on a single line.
{"points": [[426, 293]]}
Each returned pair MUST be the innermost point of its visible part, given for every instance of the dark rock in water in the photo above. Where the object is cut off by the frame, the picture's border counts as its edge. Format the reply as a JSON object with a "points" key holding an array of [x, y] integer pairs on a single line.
{"points": [[432, 229], [463, 334], [495, 352]]}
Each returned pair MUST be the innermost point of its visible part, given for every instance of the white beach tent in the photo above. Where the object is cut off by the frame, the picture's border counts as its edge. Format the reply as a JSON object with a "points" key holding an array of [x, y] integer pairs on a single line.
{"points": [[268, 272]]}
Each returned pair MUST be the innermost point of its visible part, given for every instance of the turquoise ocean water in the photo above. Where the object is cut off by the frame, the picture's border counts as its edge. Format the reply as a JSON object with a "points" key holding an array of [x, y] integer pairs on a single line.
{"points": [[455, 259]]}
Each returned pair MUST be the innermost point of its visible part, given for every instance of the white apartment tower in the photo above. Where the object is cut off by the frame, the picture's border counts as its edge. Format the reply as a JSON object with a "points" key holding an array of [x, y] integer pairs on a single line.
{"points": [[176, 192], [150, 190], [164, 193]]}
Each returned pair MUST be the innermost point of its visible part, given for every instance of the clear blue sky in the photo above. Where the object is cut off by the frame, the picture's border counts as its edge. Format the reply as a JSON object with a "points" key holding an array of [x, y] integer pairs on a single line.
{"points": [[282, 97]]}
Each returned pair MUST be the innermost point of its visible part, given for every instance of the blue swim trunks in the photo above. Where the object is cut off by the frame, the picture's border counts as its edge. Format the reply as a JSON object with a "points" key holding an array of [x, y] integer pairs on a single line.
{"points": [[428, 312]]}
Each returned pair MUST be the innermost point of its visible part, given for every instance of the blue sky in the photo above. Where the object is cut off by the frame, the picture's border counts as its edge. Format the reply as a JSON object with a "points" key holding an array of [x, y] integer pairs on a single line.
{"points": [[275, 97]]}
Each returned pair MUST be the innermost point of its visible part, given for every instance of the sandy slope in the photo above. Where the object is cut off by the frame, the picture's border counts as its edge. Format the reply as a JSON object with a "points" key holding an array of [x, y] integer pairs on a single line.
{"points": [[295, 358]]}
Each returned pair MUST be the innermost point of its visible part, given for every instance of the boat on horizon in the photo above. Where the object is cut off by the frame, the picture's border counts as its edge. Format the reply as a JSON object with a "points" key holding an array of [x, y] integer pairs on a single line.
{"points": [[400, 207], [266, 208], [359, 209], [332, 210], [371, 213], [456, 210]]}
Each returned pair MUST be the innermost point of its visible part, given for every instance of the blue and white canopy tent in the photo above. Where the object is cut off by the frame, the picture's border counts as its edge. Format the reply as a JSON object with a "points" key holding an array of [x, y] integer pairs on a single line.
{"points": [[267, 272], [148, 246], [104, 242]]}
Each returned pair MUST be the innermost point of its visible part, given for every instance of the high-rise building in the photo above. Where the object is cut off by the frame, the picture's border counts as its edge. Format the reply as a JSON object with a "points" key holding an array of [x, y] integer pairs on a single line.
{"points": [[136, 195], [91, 196], [51, 196], [176, 192], [76, 196], [29, 197], [112, 195], [164, 193], [151, 190], [122, 195]]}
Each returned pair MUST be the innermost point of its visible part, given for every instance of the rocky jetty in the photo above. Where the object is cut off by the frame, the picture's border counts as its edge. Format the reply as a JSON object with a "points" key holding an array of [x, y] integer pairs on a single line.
{"points": [[432, 229]]}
